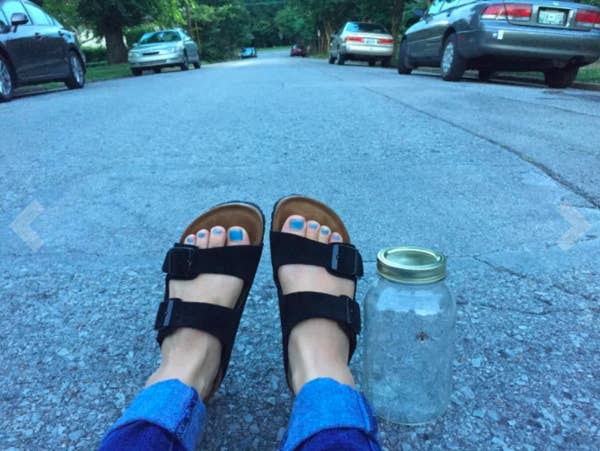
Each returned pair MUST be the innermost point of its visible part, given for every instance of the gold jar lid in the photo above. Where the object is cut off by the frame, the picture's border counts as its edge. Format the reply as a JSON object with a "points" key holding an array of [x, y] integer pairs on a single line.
{"points": [[414, 265]]}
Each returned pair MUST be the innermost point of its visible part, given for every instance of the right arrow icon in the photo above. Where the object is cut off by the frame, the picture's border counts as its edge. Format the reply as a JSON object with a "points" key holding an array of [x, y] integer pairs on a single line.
{"points": [[579, 227]]}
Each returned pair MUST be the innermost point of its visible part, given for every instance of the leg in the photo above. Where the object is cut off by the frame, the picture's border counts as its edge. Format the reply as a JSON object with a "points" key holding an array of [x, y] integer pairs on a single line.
{"points": [[328, 412], [170, 412]]}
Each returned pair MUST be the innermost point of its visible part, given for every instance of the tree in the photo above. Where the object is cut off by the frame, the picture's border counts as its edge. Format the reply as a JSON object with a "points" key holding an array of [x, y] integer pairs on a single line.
{"points": [[109, 17]]}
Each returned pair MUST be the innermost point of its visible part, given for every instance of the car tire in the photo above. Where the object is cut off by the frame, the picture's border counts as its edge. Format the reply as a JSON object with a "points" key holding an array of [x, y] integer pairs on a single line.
{"points": [[76, 79], [198, 63], [7, 80], [331, 59], [136, 72], [371, 63], [157, 70], [561, 78], [386, 62], [404, 68], [185, 65], [485, 74], [453, 65], [340, 59]]}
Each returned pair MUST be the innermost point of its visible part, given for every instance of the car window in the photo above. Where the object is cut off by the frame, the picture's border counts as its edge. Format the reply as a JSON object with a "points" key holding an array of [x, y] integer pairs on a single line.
{"points": [[3, 20], [11, 7], [365, 28], [38, 16], [160, 36], [450, 4], [435, 7]]}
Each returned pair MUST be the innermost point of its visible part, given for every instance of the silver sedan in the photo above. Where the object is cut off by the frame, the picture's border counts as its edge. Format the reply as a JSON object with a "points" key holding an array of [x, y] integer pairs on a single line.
{"points": [[165, 48], [361, 41]]}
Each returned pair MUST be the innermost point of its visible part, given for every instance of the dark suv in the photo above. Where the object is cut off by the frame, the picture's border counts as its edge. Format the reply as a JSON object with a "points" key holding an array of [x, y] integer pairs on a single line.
{"points": [[36, 48]]}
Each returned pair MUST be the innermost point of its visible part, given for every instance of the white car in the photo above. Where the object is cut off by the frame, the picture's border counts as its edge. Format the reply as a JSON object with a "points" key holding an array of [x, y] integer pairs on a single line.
{"points": [[361, 41]]}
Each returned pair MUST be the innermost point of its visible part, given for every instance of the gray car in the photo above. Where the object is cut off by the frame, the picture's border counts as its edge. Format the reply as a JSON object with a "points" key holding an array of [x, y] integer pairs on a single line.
{"points": [[554, 37], [165, 48], [361, 41]]}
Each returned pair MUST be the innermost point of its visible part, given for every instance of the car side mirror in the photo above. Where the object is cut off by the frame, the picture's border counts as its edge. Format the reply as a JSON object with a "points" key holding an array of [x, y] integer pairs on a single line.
{"points": [[135, 44], [18, 19], [419, 12]]}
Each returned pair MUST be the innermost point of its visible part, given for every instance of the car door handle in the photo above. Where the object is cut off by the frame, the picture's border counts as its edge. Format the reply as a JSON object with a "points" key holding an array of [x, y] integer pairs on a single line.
{"points": [[61, 33], [38, 35]]}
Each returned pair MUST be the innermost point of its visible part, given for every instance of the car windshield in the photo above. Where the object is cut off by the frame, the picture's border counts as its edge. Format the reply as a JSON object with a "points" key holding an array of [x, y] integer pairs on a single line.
{"points": [[160, 36], [366, 28]]}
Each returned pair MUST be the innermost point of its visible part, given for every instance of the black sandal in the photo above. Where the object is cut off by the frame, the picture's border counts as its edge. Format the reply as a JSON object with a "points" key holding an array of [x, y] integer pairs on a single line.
{"points": [[340, 259], [185, 262]]}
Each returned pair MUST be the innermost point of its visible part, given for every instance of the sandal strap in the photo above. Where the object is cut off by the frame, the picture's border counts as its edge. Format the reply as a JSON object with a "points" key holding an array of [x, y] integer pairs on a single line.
{"points": [[215, 319], [340, 259], [185, 262], [297, 307]]}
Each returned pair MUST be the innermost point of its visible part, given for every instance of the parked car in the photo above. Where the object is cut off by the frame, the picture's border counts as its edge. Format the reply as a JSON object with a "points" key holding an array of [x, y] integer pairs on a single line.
{"points": [[164, 48], [360, 41], [248, 52], [554, 37], [298, 50], [36, 48]]}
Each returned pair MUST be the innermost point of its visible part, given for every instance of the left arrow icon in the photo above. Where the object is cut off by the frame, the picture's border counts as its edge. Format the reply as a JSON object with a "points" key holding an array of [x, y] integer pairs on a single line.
{"points": [[22, 225]]}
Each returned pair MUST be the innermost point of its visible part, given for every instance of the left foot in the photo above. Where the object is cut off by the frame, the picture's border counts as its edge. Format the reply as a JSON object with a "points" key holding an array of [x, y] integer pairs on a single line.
{"points": [[190, 355]]}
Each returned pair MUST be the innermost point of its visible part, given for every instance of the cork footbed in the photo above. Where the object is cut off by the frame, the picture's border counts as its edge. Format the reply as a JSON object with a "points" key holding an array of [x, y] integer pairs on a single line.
{"points": [[310, 209], [228, 215]]}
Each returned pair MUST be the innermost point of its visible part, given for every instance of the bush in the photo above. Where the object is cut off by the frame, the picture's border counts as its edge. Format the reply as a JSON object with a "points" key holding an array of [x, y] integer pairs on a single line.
{"points": [[94, 54]]}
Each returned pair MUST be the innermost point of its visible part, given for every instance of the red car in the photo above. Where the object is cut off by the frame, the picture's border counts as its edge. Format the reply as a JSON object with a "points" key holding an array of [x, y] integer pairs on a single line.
{"points": [[298, 50]]}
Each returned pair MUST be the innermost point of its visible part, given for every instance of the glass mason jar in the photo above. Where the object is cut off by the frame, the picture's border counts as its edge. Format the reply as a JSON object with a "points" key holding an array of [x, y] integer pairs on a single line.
{"points": [[409, 319]]}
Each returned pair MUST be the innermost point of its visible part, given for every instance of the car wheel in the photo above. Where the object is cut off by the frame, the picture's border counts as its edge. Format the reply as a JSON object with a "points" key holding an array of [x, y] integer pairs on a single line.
{"points": [[453, 65], [136, 72], [371, 63], [331, 59], [404, 68], [185, 65], [561, 78], [198, 63], [76, 79], [157, 70], [485, 74], [7, 83], [340, 59], [386, 62]]}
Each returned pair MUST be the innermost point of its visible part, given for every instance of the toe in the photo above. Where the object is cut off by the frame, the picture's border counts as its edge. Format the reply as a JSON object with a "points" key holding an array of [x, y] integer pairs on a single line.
{"points": [[295, 224], [217, 237], [336, 238], [324, 234], [190, 239], [312, 230], [236, 236], [202, 239]]}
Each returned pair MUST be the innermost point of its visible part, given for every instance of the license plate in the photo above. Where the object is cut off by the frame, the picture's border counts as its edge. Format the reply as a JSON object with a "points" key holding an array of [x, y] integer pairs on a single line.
{"points": [[370, 41], [551, 17]]}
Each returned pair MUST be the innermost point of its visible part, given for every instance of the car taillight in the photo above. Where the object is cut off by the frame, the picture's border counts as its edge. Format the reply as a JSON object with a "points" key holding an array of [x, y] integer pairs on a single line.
{"points": [[586, 18], [354, 38], [386, 41], [512, 11]]}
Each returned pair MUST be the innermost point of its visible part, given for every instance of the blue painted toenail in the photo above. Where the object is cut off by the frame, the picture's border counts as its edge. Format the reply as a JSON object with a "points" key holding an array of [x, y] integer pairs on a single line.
{"points": [[189, 240], [201, 234], [336, 236], [236, 235], [313, 225], [217, 231], [324, 230], [296, 224]]}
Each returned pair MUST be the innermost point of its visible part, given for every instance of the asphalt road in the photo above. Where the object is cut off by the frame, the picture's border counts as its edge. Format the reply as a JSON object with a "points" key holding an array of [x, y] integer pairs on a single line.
{"points": [[96, 184]]}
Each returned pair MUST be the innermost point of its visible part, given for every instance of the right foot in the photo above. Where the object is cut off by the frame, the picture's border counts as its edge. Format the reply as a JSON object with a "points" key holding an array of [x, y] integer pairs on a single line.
{"points": [[317, 347]]}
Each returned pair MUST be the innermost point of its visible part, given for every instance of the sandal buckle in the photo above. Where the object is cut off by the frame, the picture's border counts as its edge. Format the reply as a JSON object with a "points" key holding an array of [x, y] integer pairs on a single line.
{"points": [[179, 261], [164, 315], [352, 314], [345, 260]]}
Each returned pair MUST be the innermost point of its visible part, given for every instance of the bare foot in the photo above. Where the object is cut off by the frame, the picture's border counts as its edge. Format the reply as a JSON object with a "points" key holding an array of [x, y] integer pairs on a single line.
{"points": [[317, 347], [191, 355]]}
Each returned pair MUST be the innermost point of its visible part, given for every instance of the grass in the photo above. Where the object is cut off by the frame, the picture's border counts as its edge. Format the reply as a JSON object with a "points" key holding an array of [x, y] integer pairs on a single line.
{"points": [[589, 74], [96, 72]]}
